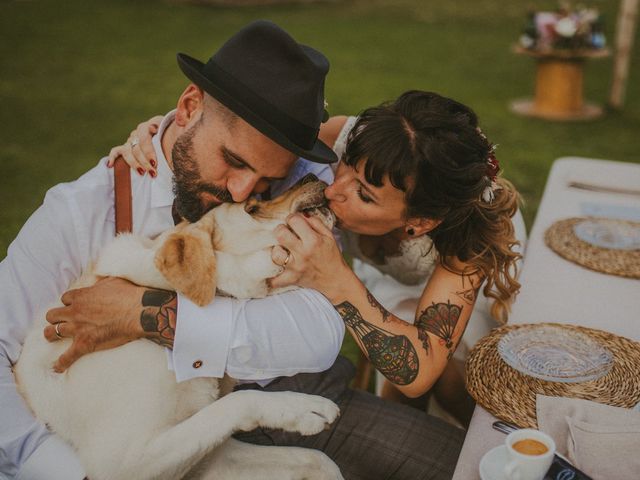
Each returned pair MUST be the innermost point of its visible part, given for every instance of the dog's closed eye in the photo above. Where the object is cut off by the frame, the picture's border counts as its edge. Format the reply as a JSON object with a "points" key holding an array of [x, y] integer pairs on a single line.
{"points": [[251, 207]]}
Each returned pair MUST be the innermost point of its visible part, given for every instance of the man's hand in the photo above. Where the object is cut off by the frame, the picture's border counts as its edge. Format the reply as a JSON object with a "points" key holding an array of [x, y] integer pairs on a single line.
{"points": [[109, 314]]}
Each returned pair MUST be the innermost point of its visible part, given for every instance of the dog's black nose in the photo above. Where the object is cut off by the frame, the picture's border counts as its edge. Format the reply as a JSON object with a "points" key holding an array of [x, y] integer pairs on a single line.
{"points": [[308, 178]]}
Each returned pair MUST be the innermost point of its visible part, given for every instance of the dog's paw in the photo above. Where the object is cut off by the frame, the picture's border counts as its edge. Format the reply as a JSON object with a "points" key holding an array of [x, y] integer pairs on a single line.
{"points": [[299, 412]]}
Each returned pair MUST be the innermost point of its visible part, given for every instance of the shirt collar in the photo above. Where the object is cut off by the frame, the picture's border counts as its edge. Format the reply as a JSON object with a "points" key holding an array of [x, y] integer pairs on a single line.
{"points": [[162, 186]]}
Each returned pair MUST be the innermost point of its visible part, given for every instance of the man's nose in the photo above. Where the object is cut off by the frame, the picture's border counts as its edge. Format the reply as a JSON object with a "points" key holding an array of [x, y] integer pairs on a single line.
{"points": [[241, 186]]}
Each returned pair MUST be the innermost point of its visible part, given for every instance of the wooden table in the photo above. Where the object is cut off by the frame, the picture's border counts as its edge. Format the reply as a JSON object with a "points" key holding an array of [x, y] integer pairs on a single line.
{"points": [[559, 85], [556, 290]]}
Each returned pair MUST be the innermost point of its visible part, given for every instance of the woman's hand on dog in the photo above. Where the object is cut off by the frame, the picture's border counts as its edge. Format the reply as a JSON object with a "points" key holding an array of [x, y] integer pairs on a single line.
{"points": [[315, 261], [105, 315]]}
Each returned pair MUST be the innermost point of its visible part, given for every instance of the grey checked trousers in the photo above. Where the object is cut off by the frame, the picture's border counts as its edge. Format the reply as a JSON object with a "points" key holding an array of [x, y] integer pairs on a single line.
{"points": [[373, 439]]}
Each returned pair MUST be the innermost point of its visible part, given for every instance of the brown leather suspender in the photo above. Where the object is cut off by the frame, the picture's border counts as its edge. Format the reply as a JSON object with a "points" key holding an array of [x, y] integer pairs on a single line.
{"points": [[122, 187]]}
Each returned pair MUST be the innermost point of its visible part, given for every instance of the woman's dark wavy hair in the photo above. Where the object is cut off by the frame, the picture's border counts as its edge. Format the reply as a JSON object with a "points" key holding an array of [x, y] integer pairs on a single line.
{"points": [[431, 148]]}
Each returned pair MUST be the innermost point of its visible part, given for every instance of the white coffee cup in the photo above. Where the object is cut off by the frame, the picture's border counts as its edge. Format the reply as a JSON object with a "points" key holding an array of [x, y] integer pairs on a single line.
{"points": [[531, 465]]}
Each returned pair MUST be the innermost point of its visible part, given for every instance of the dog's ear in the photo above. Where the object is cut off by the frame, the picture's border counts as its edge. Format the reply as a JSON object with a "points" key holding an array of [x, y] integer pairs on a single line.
{"points": [[188, 262]]}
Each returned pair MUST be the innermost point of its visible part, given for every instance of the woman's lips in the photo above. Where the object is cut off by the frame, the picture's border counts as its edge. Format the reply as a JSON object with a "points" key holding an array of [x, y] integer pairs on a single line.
{"points": [[338, 222]]}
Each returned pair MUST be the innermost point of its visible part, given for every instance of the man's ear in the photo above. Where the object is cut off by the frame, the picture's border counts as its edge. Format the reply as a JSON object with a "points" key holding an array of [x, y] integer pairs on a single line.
{"points": [[188, 262], [189, 104], [421, 225]]}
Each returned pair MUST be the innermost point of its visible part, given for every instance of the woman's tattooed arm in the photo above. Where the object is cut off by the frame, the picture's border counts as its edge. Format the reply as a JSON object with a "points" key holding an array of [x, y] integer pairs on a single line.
{"points": [[439, 319], [378, 306], [468, 294], [158, 317], [393, 355]]}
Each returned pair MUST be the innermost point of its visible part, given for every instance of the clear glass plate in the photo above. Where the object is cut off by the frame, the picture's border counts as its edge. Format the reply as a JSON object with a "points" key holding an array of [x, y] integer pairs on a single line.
{"points": [[607, 234], [555, 354]]}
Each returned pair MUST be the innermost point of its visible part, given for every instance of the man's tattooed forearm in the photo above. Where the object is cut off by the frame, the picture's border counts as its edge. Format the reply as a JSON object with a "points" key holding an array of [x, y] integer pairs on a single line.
{"points": [[439, 319], [376, 304], [393, 355], [158, 317]]}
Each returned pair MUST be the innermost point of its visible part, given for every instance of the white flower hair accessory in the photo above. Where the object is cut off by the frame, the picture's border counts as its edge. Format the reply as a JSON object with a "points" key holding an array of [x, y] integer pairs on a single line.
{"points": [[493, 167]]}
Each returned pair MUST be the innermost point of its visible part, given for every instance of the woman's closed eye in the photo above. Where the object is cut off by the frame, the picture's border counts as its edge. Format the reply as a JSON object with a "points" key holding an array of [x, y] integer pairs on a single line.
{"points": [[363, 196]]}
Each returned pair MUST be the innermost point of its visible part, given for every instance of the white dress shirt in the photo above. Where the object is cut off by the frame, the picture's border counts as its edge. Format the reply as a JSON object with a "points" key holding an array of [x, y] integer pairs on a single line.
{"points": [[252, 340]]}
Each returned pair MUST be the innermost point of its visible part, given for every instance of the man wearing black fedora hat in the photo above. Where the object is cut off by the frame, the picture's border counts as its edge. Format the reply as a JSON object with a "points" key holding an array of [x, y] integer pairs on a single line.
{"points": [[239, 129]]}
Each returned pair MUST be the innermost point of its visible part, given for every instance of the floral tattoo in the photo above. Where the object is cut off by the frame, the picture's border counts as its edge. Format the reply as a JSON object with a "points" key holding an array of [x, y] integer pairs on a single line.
{"points": [[158, 317], [393, 355], [439, 319]]}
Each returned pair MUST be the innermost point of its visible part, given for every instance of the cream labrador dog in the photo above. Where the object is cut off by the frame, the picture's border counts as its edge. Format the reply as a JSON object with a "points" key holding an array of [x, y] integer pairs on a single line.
{"points": [[122, 409]]}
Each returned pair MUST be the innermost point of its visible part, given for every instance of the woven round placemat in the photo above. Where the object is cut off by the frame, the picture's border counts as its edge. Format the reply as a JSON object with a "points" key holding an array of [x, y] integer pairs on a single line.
{"points": [[561, 238], [511, 395]]}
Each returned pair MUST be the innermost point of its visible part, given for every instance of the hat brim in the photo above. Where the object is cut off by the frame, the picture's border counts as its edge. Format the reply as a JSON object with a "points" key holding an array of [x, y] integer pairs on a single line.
{"points": [[192, 68]]}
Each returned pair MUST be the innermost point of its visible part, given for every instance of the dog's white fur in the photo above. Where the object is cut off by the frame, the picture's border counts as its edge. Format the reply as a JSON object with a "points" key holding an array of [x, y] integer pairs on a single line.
{"points": [[122, 409]]}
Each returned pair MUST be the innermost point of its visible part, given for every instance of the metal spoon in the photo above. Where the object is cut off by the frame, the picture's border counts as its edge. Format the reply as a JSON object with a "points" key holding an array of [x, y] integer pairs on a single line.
{"points": [[504, 427]]}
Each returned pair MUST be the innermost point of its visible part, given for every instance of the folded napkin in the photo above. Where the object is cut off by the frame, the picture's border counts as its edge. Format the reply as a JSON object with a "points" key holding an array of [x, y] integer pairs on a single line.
{"points": [[601, 440]]}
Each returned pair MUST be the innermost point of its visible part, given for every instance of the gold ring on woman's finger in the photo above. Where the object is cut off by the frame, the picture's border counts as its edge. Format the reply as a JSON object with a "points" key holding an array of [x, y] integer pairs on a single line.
{"points": [[58, 331], [286, 260]]}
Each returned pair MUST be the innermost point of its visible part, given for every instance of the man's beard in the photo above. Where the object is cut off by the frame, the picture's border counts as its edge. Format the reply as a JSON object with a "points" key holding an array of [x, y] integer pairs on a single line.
{"points": [[187, 182]]}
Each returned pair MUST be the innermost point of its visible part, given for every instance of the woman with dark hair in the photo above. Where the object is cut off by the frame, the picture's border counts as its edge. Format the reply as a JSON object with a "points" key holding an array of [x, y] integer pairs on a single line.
{"points": [[418, 198]]}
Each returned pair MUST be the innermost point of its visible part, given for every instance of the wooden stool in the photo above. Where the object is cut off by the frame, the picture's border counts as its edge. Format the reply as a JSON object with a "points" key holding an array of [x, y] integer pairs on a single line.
{"points": [[559, 86]]}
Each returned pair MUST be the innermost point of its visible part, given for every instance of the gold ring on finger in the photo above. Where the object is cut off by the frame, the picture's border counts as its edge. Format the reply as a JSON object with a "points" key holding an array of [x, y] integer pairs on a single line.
{"points": [[58, 331], [286, 260]]}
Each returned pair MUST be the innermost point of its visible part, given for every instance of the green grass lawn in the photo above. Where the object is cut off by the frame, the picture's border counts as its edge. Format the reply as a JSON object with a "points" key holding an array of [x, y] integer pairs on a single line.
{"points": [[76, 76]]}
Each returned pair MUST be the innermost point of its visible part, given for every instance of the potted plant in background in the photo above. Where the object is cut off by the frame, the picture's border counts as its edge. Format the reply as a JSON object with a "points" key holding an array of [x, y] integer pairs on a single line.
{"points": [[561, 42]]}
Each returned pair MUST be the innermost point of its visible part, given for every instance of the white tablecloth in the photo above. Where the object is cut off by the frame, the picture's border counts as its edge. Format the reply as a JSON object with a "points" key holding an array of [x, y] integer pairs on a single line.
{"points": [[556, 290]]}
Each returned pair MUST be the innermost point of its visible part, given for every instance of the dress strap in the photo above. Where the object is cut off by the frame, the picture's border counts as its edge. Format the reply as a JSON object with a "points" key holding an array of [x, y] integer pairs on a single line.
{"points": [[341, 142]]}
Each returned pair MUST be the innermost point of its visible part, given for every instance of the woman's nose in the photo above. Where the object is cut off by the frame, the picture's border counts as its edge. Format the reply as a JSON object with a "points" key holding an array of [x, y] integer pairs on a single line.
{"points": [[333, 193]]}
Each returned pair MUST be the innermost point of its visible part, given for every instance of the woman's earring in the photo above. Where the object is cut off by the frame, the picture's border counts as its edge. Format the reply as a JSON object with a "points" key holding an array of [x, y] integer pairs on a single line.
{"points": [[411, 232]]}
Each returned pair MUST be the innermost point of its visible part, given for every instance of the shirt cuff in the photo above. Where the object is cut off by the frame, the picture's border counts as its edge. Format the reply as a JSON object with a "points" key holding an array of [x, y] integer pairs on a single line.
{"points": [[54, 459], [201, 343]]}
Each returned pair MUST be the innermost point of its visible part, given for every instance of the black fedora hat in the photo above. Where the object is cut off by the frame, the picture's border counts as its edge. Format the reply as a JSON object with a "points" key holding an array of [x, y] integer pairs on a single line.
{"points": [[272, 82]]}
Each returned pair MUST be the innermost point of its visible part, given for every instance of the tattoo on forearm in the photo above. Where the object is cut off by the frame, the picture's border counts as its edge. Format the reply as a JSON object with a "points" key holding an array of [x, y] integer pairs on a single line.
{"points": [[424, 338], [468, 296], [439, 319], [376, 304], [393, 355], [158, 318]]}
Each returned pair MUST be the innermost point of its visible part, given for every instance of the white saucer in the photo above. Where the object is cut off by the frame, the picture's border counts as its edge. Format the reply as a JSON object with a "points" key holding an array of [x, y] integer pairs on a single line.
{"points": [[493, 463]]}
